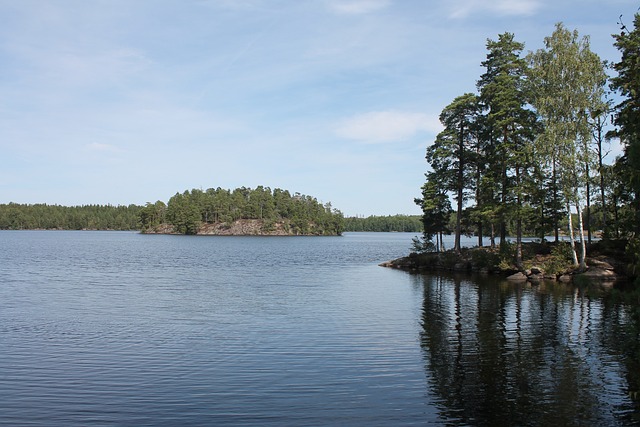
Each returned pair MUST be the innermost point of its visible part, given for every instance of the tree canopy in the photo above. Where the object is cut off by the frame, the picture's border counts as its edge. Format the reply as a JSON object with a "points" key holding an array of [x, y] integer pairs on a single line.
{"points": [[527, 151], [15, 216], [188, 211]]}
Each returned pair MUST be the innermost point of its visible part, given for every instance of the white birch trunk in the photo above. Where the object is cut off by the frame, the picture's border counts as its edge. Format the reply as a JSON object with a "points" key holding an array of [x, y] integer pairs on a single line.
{"points": [[583, 251], [572, 237]]}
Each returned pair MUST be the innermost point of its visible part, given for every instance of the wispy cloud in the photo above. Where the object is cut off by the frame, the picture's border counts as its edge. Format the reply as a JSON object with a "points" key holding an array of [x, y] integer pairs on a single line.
{"points": [[386, 126], [464, 8], [357, 7]]}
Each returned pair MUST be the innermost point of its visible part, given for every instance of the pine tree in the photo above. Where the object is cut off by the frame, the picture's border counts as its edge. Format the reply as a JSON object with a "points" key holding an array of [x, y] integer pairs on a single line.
{"points": [[511, 124], [451, 155], [627, 112]]}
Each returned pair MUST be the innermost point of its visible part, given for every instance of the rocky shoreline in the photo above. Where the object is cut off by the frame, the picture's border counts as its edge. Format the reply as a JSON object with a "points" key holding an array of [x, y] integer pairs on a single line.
{"points": [[242, 227], [538, 266]]}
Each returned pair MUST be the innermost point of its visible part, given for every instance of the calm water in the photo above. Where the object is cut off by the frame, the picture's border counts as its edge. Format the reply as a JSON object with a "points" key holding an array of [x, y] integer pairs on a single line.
{"points": [[110, 328]]}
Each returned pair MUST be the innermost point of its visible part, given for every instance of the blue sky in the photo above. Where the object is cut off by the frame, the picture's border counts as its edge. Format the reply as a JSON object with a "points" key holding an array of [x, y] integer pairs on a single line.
{"points": [[129, 101]]}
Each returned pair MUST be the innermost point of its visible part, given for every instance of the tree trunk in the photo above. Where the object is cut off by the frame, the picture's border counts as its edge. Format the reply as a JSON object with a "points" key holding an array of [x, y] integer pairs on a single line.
{"points": [[478, 202], [457, 244], [616, 218], [600, 171], [556, 228], [572, 237], [583, 249], [503, 202], [493, 235], [542, 222], [588, 207], [518, 221]]}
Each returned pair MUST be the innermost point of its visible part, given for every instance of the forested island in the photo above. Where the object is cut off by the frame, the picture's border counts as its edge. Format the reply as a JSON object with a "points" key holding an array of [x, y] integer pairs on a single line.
{"points": [[259, 211]]}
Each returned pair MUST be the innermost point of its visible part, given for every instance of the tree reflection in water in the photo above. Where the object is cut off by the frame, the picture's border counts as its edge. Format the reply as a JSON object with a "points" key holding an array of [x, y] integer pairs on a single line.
{"points": [[499, 353]]}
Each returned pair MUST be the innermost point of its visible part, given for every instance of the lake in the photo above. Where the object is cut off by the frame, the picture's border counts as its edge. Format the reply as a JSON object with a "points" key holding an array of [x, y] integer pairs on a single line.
{"points": [[118, 328]]}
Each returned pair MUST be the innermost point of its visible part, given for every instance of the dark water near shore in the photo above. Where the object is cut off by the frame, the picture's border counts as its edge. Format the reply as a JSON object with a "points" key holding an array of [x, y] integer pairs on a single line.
{"points": [[110, 328]]}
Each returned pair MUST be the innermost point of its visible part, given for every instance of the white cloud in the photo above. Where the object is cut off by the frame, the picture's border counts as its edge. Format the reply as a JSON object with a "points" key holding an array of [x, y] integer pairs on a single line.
{"points": [[464, 8], [357, 7], [387, 126]]}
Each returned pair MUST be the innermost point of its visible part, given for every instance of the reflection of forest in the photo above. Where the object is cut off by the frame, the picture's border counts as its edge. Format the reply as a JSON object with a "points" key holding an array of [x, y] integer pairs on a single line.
{"points": [[503, 354]]}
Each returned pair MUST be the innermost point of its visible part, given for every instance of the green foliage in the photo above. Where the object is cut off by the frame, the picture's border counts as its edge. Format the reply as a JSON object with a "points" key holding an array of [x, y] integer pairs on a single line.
{"points": [[15, 216], [422, 245], [560, 260], [507, 254], [152, 216], [485, 258], [183, 212], [399, 223], [299, 213], [633, 255], [436, 210], [451, 157], [627, 114]]}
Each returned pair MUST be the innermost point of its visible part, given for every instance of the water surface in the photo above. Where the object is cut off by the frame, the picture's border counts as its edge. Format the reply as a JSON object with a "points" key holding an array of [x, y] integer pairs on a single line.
{"points": [[110, 328]]}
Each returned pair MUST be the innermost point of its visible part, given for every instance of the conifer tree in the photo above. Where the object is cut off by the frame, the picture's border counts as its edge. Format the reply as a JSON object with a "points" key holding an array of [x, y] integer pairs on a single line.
{"points": [[451, 155], [511, 125], [627, 112]]}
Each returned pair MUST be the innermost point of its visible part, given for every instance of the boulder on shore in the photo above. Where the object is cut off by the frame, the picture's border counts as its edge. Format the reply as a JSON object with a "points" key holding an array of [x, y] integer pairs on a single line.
{"points": [[517, 277]]}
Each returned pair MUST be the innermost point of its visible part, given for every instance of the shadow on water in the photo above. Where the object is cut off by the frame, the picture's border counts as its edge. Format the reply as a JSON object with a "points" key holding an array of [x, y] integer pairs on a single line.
{"points": [[498, 353]]}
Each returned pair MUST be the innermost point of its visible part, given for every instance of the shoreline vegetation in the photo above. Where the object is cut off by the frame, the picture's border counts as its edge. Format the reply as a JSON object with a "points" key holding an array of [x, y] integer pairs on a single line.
{"points": [[243, 211], [526, 155], [606, 262]]}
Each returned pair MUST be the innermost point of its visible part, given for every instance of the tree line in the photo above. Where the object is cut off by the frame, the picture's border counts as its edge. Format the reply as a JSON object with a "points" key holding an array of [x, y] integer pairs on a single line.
{"points": [[388, 223], [186, 212], [15, 216], [525, 154]]}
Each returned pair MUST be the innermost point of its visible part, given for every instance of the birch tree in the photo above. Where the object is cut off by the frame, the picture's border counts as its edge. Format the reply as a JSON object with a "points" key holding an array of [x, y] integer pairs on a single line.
{"points": [[566, 79]]}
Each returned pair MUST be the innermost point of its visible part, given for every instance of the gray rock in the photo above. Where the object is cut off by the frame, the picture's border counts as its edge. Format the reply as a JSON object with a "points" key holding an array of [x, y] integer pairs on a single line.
{"points": [[600, 274], [518, 277]]}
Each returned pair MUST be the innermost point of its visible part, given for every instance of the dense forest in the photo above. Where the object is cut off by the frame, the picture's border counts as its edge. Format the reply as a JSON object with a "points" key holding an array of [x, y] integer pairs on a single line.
{"points": [[526, 153], [396, 223], [15, 216], [276, 210]]}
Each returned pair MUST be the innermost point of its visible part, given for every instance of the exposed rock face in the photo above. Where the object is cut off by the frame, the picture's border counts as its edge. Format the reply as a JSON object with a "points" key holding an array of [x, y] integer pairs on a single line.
{"points": [[245, 227], [242, 227], [600, 274]]}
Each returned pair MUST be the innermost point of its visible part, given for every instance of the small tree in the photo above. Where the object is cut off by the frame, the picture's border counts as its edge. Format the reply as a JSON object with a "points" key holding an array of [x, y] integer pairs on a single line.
{"points": [[451, 155], [436, 210]]}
